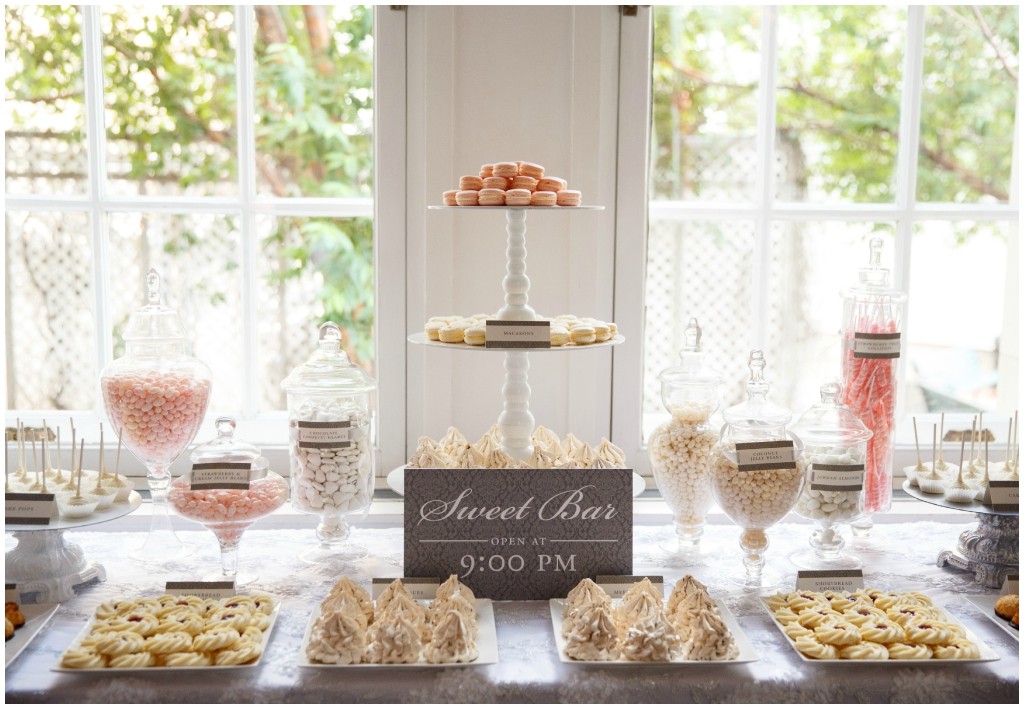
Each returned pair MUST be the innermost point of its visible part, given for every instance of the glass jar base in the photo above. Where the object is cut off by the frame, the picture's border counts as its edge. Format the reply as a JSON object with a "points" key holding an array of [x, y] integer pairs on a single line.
{"points": [[769, 580], [809, 559], [678, 555], [334, 555], [241, 578], [161, 545]]}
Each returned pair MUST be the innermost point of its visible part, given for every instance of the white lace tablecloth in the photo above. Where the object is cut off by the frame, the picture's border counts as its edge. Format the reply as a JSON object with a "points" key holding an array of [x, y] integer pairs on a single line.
{"points": [[899, 556]]}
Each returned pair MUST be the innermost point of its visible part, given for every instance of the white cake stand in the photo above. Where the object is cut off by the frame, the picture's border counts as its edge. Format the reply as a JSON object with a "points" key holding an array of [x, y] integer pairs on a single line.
{"points": [[47, 563]]}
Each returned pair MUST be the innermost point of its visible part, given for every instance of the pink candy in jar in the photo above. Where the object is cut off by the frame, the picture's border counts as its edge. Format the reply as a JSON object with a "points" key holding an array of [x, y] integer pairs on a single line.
{"points": [[224, 505], [157, 413]]}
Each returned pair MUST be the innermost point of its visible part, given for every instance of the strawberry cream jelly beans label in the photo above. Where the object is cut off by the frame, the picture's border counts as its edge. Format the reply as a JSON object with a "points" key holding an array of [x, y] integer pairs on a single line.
{"points": [[331, 461], [876, 345], [765, 455], [221, 476]]}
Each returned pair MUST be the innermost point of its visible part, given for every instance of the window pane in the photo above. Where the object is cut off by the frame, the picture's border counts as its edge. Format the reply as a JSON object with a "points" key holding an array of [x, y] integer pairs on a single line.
{"points": [[314, 111], [51, 334], [810, 263], [955, 315], [705, 77], [44, 106], [170, 98], [701, 270], [838, 94], [968, 102], [198, 259], [311, 270]]}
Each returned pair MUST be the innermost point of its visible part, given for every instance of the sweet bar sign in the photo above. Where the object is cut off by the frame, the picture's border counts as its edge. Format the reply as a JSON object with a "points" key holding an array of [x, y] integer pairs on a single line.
{"points": [[518, 534]]}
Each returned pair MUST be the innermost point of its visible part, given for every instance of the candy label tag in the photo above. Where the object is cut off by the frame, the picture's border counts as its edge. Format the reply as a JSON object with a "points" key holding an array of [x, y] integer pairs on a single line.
{"points": [[837, 478], [876, 345], [765, 455], [1003, 495], [29, 508], [1011, 584], [519, 334], [843, 580], [421, 588], [616, 586], [201, 589], [324, 434], [221, 476]]}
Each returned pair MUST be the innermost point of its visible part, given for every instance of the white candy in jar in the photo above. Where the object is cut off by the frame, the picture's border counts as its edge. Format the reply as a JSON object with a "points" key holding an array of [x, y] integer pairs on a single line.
{"points": [[831, 506], [755, 498], [679, 451], [326, 477]]}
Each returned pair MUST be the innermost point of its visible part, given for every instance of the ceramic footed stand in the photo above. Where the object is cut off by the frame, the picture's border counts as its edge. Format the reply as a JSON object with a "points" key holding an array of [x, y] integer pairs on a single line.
{"points": [[46, 563]]}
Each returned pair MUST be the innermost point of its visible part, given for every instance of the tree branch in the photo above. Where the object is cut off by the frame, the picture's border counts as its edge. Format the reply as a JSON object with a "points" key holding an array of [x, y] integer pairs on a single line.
{"points": [[268, 17], [994, 43]]}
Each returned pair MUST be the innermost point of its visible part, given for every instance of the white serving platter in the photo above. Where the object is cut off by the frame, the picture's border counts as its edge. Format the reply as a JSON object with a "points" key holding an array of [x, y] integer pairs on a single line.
{"points": [[747, 653], [118, 509], [986, 603], [420, 338], [36, 617], [486, 644]]}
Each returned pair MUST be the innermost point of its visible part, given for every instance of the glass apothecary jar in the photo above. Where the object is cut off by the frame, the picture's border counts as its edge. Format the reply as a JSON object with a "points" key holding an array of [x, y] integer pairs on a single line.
{"points": [[156, 396], [229, 486], [872, 323], [679, 449], [330, 413], [832, 463], [754, 476]]}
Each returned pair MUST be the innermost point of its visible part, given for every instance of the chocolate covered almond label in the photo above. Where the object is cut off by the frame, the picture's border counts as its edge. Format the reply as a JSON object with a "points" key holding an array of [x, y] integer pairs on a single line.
{"points": [[221, 476], [876, 345], [765, 455], [837, 478], [325, 434]]}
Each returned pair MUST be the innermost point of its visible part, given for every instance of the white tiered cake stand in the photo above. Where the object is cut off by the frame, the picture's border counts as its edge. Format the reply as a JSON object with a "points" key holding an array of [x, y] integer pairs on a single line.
{"points": [[46, 563]]}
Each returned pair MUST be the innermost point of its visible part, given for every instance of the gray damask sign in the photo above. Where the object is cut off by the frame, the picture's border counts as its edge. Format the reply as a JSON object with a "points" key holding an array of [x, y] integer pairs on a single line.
{"points": [[518, 534]]}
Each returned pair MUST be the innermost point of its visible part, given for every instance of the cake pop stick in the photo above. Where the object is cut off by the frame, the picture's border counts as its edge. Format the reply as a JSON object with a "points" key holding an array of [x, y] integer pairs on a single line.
{"points": [[78, 486], [21, 475], [930, 481], [117, 458], [46, 462], [983, 485], [942, 465], [981, 431], [35, 487], [934, 438], [972, 470], [98, 488], [58, 477], [917, 446], [957, 490]]}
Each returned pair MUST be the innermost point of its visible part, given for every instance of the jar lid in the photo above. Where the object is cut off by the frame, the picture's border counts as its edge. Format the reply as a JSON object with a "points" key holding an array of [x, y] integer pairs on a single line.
{"points": [[328, 368], [830, 420], [225, 448], [757, 412], [693, 369], [874, 280], [154, 321]]}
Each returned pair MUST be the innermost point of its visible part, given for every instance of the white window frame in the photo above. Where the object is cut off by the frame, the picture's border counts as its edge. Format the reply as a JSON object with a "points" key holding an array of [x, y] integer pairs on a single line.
{"points": [[266, 429], [634, 207]]}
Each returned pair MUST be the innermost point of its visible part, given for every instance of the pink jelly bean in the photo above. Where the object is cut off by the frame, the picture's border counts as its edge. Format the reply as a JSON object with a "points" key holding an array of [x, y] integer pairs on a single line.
{"points": [[219, 506]]}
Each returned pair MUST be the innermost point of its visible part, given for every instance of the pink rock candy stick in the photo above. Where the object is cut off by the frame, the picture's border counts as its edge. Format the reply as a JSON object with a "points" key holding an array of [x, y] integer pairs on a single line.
{"points": [[157, 412]]}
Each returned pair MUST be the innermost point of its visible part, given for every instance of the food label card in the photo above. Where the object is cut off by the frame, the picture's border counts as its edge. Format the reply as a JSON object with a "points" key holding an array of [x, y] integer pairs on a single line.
{"points": [[876, 345], [532, 334], [1011, 584], [845, 580], [765, 455], [421, 588], [11, 594], [324, 434], [1003, 495], [515, 535], [29, 508], [616, 586], [201, 589], [221, 476], [837, 478]]}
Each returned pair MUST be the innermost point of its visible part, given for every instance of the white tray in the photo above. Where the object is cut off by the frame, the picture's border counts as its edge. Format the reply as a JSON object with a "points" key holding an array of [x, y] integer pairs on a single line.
{"points": [[986, 603], [36, 617], [135, 670], [486, 644], [747, 653], [987, 654]]}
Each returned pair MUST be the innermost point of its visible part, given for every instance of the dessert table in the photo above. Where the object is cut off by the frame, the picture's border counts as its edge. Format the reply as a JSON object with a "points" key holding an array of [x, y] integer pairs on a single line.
{"points": [[900, 555]]}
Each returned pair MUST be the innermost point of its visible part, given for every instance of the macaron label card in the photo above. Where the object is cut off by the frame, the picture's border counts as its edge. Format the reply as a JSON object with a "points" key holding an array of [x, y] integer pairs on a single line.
{"points": [[876, 345], [765, 455], [221, 476], [519, 334], [837, 477], [421, 588], [848, 580], [29, 508], [324, 434], [201, 589], [518, 534]]}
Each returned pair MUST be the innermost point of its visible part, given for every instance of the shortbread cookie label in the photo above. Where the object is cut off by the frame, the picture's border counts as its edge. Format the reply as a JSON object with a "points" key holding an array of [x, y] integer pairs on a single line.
{"points": [[325, 434], [221, 476], [201, 589], [29, 508], [876, 345], [841, 580], [837, 478], [616, 586], [421, 588], [1003, 495], [519, 334], [765, 455]]}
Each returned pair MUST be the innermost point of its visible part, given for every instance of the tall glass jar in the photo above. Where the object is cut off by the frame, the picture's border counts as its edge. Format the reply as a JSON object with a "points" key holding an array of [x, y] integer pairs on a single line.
{"points": [[753, 470], [679, 449], [872, 323], [330, 414], [835, 445], [156, 396]]}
